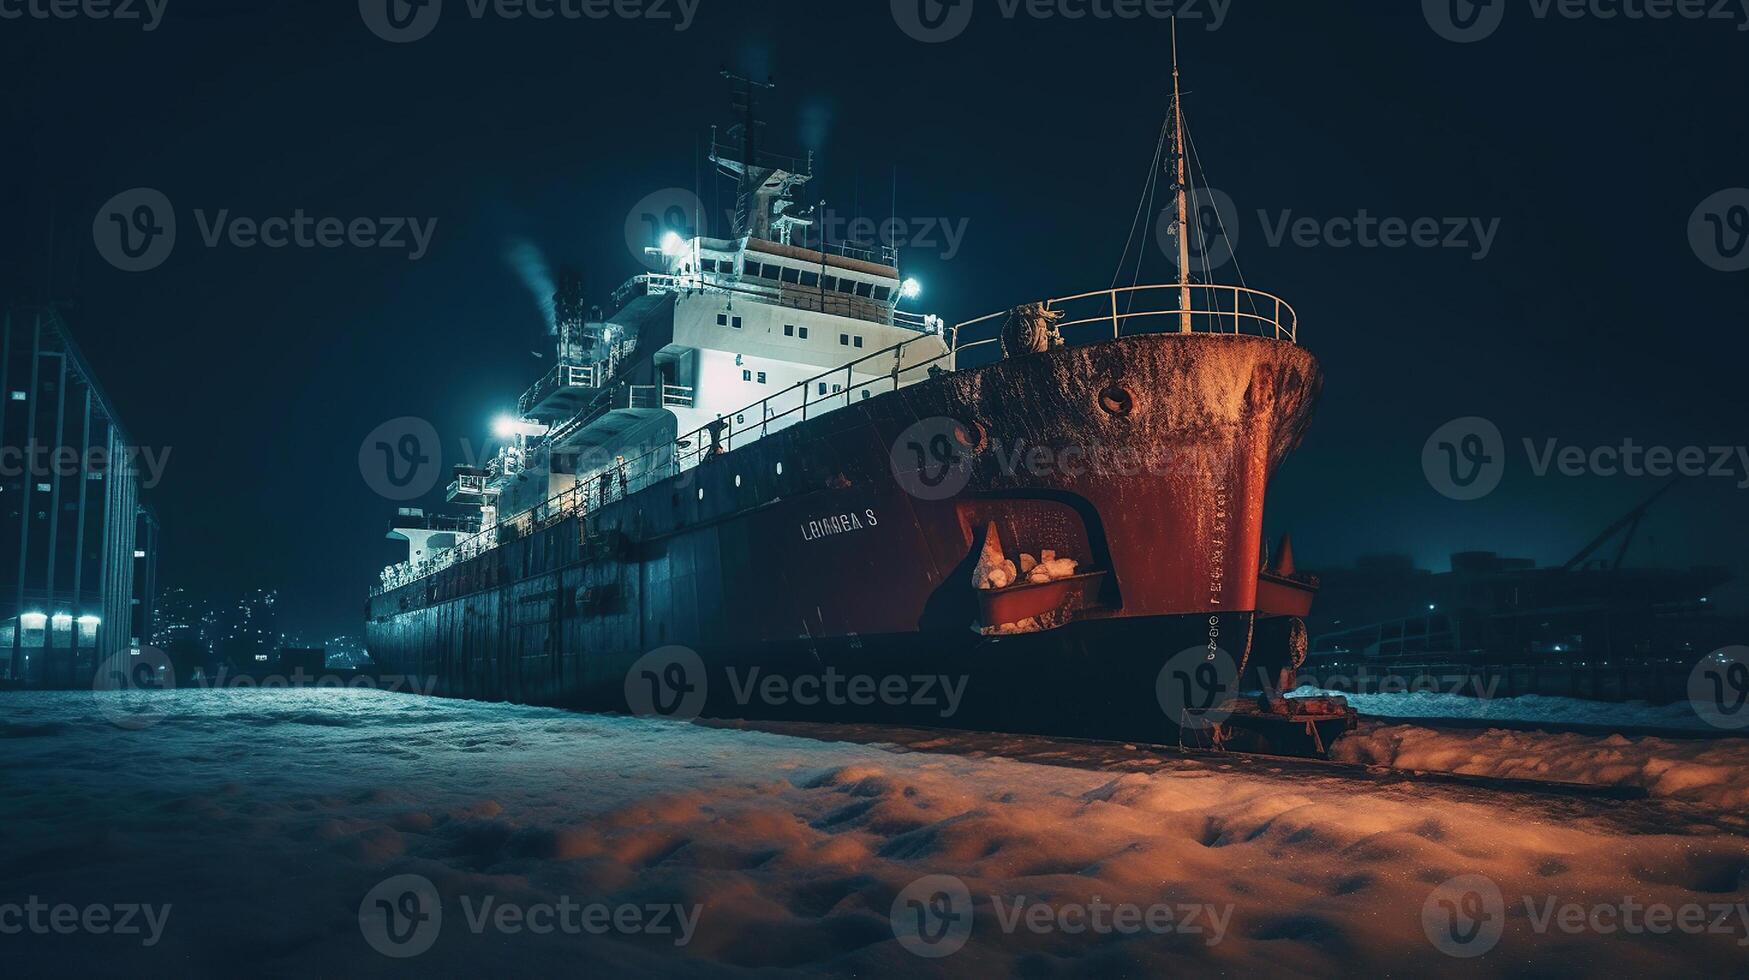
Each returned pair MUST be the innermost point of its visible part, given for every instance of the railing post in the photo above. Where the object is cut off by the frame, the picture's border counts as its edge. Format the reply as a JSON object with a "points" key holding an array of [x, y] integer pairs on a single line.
{"points": [[1114, 329]]}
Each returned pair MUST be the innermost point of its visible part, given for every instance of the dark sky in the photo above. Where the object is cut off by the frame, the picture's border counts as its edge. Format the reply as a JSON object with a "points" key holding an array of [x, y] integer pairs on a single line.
{"points": [[1591, 320]]}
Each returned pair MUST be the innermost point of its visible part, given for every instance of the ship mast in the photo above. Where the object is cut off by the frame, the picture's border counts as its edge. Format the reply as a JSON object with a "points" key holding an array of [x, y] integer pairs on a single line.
{"points": [[1183, 223]]}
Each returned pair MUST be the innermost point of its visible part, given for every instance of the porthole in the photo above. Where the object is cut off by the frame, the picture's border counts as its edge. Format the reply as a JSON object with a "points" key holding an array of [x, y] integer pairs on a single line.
{"points": [[780, 468], [737, 479], [701, 493], [1117, 401], [971, 436]]}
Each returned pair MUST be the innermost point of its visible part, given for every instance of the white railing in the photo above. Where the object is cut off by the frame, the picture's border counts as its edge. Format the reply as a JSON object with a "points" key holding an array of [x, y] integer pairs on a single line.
{"points": [[1163, 308], [560, 377], [789, 295]]}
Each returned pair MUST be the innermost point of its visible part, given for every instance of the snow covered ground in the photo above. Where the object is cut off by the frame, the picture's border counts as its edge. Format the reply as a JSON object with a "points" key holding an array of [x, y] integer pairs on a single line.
{"points": [[1526, 708], [1714, 773], [349, 832]]}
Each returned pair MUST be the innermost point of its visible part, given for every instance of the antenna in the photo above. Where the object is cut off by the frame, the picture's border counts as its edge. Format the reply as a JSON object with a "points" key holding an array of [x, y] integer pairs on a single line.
{"points": [[1183, 222]]}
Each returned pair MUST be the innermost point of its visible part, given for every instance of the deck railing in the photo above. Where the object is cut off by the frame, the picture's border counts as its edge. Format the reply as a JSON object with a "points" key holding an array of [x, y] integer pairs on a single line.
{"points": [[1162, 308]]}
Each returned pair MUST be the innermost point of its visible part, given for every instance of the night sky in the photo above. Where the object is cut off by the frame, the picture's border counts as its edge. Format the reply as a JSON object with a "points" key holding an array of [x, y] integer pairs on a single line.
{"points": [[1591, 319]]}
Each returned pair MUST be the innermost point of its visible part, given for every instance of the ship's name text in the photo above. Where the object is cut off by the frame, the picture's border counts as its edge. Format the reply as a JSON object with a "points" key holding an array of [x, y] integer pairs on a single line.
{"points": [[826, 527]]}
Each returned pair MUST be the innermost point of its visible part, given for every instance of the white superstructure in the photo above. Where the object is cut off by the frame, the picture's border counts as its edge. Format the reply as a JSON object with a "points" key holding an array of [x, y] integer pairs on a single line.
{"points": [[734, 339]]}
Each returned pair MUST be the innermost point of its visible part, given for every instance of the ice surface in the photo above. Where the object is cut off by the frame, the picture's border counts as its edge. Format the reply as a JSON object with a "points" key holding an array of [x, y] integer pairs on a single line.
{"points": [[265, 817], [1529, 708]]}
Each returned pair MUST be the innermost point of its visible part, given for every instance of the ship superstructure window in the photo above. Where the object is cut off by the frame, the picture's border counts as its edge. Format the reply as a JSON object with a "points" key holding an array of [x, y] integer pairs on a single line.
{"points": [[811, 279], [803, 331], [865, 394], [746, 375], [722, 319], [762, 377], [865, 289], [789, 330], [735, 322], [844, 340], [856, 341], [829, 283], [847, 285], [883, 293], [792, 275], [822, 387]]}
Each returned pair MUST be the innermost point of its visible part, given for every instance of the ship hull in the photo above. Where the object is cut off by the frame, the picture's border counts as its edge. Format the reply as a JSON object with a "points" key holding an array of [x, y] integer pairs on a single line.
{"points": [[827, 570]]}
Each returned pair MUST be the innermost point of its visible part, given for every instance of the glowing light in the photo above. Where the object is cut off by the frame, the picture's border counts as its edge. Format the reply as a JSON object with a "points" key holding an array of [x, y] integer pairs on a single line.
{"points": [[910, 289], [33, 620], [673, 245], [507, 426], [63, 619], [89, 620]]}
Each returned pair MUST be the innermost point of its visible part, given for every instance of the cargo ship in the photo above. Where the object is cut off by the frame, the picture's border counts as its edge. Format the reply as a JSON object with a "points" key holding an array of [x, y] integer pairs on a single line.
{"points": [[757, 483]]}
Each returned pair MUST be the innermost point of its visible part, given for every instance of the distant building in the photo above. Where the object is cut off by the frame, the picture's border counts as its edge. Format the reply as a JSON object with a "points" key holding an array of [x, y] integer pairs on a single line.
{"points": [[1490, 607], [347, 652], [250, 635], [187, 629], [72, 551]]}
